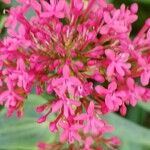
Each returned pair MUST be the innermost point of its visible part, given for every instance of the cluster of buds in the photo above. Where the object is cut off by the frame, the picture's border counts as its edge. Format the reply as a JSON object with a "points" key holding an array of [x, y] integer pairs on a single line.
{"points": [[81, 53]]}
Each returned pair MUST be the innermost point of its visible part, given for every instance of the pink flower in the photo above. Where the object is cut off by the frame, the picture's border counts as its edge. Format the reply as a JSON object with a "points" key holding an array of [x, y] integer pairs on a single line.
{"points": [[118, 63], [123, 110], [87, 144], [98, 77], [67, 83], [55, 8], [9, 97], [113, 98], [67, 104], [96, 52], [53, 126], [134, 92], [76, 8], [15, 16], [23, 78], [9, 47], [42, 146], [21, 36], [92, 123], [70, 132], [115, 141], [145, 75], [33, 3], [118, 20]]}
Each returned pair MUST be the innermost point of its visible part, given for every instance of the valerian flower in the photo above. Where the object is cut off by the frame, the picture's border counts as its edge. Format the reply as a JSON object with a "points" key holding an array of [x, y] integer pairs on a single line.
{"points": [[113, 98], [70, 132], [118, 63], [82, 54], [92, 123]]}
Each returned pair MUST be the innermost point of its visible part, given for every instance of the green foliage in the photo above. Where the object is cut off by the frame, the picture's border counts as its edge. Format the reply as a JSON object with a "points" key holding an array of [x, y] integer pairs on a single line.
{"points": [[2, 19], [129, 131], [132, 135], [145, 106], [24, 133]]}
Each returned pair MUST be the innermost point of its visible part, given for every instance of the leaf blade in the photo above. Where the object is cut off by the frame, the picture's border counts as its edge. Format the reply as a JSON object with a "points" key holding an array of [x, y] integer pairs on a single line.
{"points": [[128, 130], [24, 133]]}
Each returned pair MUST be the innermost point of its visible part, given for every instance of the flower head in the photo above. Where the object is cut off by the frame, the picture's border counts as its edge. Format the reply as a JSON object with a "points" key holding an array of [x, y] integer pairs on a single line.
{"points": [[81, 54]]}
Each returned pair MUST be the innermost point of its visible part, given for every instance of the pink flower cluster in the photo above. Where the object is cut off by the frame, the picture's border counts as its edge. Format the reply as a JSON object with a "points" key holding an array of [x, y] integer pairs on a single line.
{"points": [[81, 53]]}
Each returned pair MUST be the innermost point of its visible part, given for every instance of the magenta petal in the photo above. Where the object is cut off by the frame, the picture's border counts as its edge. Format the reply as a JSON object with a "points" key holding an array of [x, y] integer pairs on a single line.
{"points": [[46, 5], [64, 136], [124, 57], [116, 14], [110, 54], [78, 4], [59, 14], [53, 3], [60, 5], [75, 80], [81, 117], [109, 103], [127, 66], [77, 136], [144, 79], [119, 70], [123, 110], [101, 90], [74, 102], [66, 71], [90, 109], [20, 64], [104, 29], [4, 95], [110, 70], [56, 106], [130, 83], [112, 86], [63, 124], [46, 14], [107, 17], [66, 111], [76, 127], [133, 18], [36, 6], [133, 101]]}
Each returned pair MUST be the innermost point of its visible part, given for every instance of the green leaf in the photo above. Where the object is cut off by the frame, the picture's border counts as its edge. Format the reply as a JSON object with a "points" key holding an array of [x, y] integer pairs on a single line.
{"points": [[14, 3], [126, 145], [136, 115], [145, 106], [143, 1], [128, 130], [24, 133], [2, 21]]}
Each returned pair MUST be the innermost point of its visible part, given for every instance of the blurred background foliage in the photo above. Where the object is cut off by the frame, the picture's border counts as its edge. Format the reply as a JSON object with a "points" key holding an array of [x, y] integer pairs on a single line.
{"points": [[23, 134], [2, 19]]}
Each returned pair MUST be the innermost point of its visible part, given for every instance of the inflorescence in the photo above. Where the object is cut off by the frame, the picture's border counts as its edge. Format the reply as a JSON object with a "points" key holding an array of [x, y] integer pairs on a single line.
{"points": [[80, 52]]}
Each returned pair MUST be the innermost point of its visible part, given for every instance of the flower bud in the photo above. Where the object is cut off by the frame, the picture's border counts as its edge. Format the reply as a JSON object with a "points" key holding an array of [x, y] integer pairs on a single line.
{"points": [[53, 127], [42, 119], [40, 108]]}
